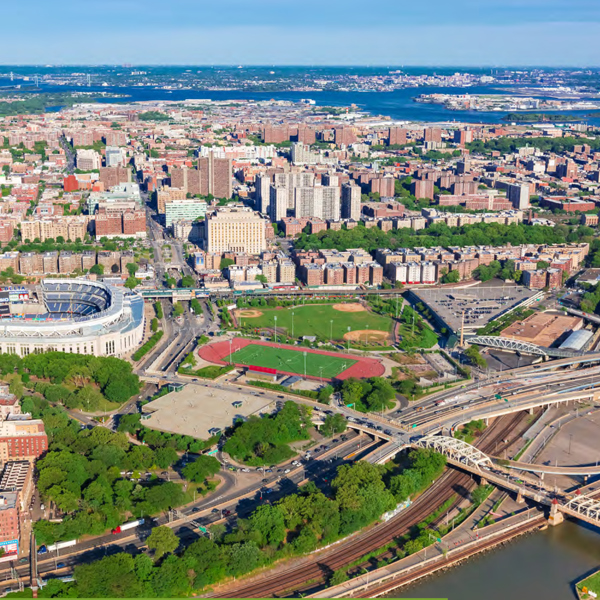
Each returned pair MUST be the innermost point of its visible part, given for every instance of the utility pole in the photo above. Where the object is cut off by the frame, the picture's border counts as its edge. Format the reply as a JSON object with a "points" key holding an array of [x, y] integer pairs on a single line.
{"points": [[462, 329]]}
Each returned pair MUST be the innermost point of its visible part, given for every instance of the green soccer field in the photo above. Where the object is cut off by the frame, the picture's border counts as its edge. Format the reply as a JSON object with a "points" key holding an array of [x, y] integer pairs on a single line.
{"points": [[292, 361]]}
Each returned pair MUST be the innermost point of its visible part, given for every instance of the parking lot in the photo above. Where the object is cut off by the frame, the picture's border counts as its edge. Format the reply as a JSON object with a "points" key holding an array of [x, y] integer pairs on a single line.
{"points": [[480, 304], [197, 409]]}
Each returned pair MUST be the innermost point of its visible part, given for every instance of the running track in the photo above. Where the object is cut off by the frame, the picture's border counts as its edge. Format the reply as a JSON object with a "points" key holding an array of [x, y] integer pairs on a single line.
{"points": [[218, 353]]}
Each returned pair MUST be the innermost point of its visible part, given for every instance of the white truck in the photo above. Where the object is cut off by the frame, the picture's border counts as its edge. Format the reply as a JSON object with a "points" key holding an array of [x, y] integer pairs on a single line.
{"points": [[61, 545], [127, 526]]}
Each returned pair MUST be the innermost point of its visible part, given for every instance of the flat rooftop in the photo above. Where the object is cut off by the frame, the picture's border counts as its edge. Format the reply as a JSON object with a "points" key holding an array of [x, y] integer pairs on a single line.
{"points": [[480, 303], [196, 409], [543, 329]]}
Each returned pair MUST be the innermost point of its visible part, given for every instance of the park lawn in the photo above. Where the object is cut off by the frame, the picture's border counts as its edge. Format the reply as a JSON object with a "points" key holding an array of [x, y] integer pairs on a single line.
{"points": [[592, 583], [315, 319], [422, 338], [291, 361]]}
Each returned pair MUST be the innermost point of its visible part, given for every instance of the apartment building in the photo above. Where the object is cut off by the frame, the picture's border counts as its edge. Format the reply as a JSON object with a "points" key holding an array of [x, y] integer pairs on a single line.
{"points": [[235, 229]]}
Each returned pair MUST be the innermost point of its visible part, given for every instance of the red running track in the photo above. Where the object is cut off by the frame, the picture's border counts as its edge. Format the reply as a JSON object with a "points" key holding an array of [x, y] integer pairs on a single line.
{"points": [[218, 353]]}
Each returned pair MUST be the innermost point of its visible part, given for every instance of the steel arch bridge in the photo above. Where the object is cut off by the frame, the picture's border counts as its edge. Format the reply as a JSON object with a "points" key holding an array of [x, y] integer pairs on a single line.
{"points": [[456, 450], [585, 507], [508, 344], [503, 343]]}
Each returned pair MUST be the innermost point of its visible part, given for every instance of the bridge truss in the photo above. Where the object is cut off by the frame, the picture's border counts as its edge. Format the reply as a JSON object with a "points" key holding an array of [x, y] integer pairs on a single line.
{"points": [[503, 343], [456, 450], [586, 507]]}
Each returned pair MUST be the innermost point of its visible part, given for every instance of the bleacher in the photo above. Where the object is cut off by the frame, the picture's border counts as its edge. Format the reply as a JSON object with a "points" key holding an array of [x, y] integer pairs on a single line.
{"points": [[74, 299]]}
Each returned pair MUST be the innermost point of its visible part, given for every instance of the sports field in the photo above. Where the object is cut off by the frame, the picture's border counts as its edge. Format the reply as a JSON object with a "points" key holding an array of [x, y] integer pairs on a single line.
{"points": [[322, 320], [291, 361]]}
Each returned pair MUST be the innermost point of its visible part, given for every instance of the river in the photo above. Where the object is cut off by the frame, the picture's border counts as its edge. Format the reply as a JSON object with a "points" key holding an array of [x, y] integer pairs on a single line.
{"points": [[544, 565], [398, 104]]}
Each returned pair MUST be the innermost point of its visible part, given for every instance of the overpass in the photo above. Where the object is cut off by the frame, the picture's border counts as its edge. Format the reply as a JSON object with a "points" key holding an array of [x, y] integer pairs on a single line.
{"points": [[583, 471], [504, 408]]}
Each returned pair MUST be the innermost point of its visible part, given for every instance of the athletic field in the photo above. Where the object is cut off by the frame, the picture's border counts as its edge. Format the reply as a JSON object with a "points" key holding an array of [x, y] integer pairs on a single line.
{"points": [[291, 361], [327, 321]]}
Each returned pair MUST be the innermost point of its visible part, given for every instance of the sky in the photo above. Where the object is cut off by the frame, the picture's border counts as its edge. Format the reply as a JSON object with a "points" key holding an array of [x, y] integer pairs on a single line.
{"points": [[302, 32]]}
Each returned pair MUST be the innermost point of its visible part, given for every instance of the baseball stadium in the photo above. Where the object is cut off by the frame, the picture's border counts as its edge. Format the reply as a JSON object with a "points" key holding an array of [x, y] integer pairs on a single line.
{"points": [[76, 315]]}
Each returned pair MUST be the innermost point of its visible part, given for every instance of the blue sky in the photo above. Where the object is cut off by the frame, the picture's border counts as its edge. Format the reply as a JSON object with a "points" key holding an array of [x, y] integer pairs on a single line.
{"points": [[326, 32]]}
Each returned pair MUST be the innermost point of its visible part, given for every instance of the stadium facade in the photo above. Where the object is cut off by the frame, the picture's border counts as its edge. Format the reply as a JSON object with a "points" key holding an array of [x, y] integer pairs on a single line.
{"points": [[77, 316]]}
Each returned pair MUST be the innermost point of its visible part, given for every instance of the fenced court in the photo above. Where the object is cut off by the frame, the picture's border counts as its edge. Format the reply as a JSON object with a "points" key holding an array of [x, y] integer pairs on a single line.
{"points": [[291, 360]]}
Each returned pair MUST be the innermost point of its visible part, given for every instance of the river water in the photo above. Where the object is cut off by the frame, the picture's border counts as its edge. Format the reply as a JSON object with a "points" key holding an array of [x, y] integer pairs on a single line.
{"points": [[544, 565], [398, 104]]}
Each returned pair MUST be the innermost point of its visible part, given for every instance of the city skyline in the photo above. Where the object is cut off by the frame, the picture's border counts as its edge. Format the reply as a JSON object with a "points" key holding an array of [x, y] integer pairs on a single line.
{"points": [[426, 34]]}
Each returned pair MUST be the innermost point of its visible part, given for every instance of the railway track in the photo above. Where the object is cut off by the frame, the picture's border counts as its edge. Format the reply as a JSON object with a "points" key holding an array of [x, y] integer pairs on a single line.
{"points": [[319, 567], [388, 586]]}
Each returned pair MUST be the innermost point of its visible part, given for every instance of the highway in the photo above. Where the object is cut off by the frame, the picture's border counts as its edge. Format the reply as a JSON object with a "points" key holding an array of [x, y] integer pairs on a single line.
{"points": [[318, 566], [229, 498]]}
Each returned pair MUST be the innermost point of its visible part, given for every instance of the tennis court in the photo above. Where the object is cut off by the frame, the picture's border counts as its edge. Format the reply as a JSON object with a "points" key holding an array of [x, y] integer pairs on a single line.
{"points": [[292, 361]]}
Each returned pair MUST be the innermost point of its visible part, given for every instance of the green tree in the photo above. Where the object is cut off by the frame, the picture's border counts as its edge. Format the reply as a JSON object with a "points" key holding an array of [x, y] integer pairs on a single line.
{"points": [[97, 269], [338, 577], [268, 524], [451, 277], [474, 355], [201, 469], [177, 309], [132, 282], [333, 424], [132, 269], [162, 540], [226, 262], [110, 577], [187, 281], [165, 457], [325, 394]]}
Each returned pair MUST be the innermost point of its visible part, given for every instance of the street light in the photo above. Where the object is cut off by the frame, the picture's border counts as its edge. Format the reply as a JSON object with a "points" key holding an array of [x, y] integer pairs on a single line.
{"points": [[349, 329], [275, 329], [292, 324], [331, 331], [305, 353]]}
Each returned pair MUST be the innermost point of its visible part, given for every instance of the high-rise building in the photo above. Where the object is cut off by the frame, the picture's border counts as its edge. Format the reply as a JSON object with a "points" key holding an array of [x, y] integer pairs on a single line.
{"points": [[331, 202], [433, 134], [351, 196], [422, 188], [344, 136], [262, 193], [235, 229], [213, 176], [518, 195], [319, 201], [292, 181], [111, 176], [278, 200], [396, 136]]}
